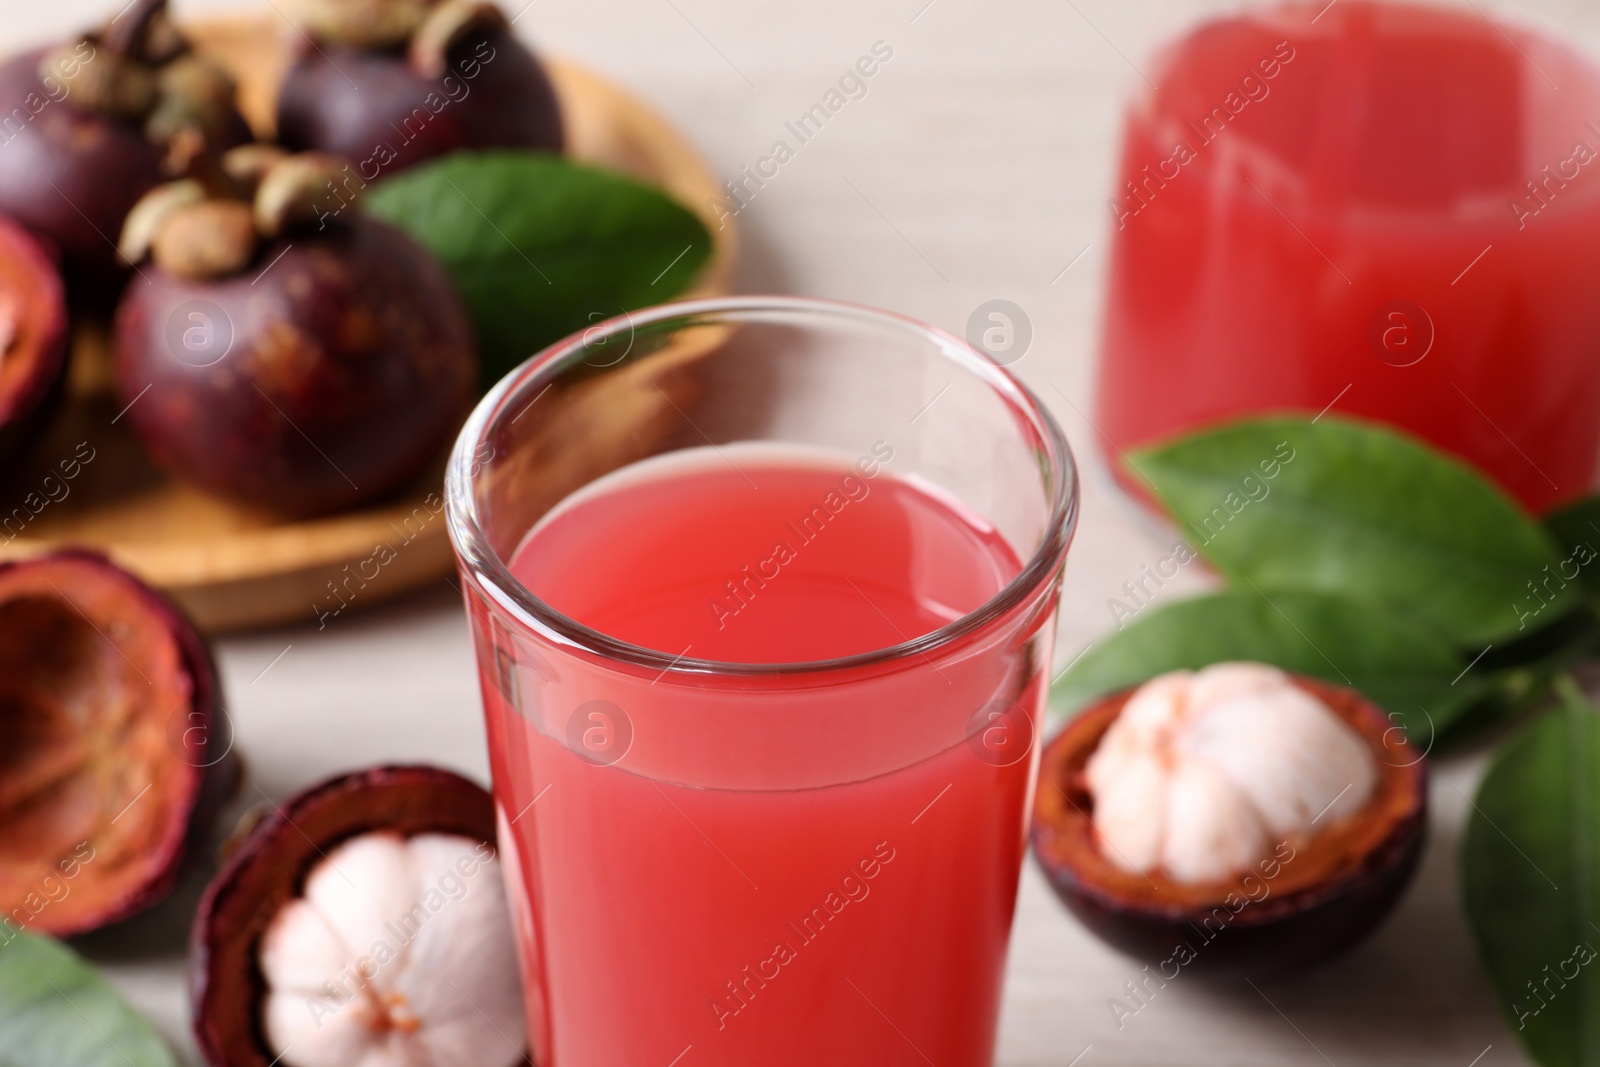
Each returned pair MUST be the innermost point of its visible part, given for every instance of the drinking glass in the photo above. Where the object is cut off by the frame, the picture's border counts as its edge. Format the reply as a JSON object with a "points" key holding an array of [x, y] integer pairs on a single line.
{"points": [[775, 863], [1384, 210]]}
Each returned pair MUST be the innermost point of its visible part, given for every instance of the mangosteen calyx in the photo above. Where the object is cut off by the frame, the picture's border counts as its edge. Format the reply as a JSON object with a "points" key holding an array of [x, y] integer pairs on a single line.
{"points": [[140, 69], [210, 227], [445, 27]]}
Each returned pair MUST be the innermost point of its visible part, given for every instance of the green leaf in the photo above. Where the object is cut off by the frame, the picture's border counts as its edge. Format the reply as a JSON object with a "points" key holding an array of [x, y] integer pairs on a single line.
{"points": [[1404, 668], [56, 1011], [1577, 530], [1529, 880], [1360, 510], [540, 247]]}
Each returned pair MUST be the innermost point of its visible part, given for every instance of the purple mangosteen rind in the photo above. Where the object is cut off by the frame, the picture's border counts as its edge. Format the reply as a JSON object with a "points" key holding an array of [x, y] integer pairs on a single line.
{"points": [[339, 366], [214, 772], [73, 167], [269, 868], [378, 110], [1276, 934], [54, 170], [27, 404]]}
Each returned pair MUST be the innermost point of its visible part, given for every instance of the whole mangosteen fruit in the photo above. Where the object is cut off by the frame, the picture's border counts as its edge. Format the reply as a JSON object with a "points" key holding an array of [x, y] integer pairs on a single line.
{"points": [[33, 336], [117, 750], [88, 127], [286, 354], [391, 83]]}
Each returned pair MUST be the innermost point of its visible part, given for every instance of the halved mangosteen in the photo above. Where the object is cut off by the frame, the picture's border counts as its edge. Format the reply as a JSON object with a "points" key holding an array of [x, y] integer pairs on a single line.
{"points": [[1290, 852], [117, 751], [349, 924], [33, 336]]}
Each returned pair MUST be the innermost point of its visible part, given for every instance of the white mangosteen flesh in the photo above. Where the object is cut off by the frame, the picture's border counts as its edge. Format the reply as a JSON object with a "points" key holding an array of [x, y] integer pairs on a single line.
{"points": [[1205, 772], [400, 953]]}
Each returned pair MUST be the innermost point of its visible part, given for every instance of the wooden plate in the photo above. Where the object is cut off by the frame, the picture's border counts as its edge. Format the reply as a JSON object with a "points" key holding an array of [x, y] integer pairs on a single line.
{"points": [[233, 568]]}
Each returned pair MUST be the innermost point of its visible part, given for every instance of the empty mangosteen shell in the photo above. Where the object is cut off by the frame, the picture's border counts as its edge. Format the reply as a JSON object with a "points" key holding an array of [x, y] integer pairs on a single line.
{"points": [[32, 369], [269, 869], [197, 780], [1336, 899]]}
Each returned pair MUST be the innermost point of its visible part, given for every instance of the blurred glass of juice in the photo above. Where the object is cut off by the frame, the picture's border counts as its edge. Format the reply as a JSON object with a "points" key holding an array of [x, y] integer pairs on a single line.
{"points": [[1386, 210]]}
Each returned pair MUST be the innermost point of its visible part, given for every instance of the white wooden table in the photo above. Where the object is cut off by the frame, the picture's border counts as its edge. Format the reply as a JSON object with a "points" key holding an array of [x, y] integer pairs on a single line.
{"points": [[977, 166]]}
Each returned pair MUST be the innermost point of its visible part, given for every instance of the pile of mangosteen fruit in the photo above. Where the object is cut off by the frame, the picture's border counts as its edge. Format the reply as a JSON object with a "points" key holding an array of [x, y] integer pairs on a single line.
{"points": [[274, 346]]}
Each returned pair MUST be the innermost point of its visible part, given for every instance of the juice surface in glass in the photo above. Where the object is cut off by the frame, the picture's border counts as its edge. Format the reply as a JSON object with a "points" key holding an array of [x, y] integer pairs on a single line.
{"points": [[765, 893], [1386, 210]]}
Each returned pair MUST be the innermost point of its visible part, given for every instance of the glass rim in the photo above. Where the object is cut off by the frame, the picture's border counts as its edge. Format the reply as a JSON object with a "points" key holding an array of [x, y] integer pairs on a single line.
{"points": [[493, 574]]}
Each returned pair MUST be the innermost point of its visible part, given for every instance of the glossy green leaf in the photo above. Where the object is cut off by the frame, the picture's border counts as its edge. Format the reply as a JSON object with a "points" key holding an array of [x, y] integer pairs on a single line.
{"points": [[57, 1011], [1362, 511], [1403, 667], [540, 247], [1577, 529], [1531, 881]]}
